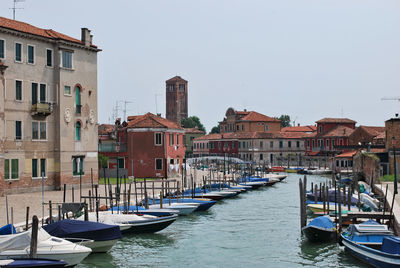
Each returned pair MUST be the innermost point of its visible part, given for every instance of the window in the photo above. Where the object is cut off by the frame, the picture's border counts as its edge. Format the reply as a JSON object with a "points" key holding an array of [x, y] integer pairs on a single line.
{"points": [[157, 139], [171, 139], [327, 143], [289, 144], [66, 60], [159, 164], [319, 143], [271, 144], [2, 49], [266, 128], [177, 139], [297, 144], [233, 145], [43, 130], [121, 162], [42, 93], [31, 54], [18, 90], [237, 127], [18, 52], [18, 130], [34, 93], [333, 143], [242, 127], [14, 169], [261, 144], [78, 131], [34, 168], [77, 166], [320, 129], [67, 90], [244, 144], [308, 143], [78, 105], [171, 88], [280, 144], [261, 157], [43, 167], [239, 144], [49, 57], [35, 130], [181, 87], [313, 143]]}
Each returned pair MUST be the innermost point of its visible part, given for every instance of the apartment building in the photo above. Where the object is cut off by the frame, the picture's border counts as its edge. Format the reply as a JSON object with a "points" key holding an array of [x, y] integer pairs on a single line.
{"points": [[48, 108]]}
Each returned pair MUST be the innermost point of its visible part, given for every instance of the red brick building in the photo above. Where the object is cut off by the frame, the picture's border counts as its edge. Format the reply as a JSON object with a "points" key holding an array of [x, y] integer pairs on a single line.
{"points": [[146, 144], [331, 133], [365, 135]]}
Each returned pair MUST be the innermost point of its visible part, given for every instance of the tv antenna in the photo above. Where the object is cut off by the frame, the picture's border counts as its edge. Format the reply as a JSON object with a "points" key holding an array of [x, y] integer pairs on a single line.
{"points": [[155, 99], [15, 6]]}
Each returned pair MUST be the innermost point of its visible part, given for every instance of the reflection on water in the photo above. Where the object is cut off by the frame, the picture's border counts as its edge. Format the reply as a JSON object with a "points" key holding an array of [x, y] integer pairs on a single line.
{"points": [[256, 229]]}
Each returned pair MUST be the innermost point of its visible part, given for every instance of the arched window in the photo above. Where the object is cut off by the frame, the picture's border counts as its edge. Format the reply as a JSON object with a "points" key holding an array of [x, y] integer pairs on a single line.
{"points": [[78, 105], [78, 131]]}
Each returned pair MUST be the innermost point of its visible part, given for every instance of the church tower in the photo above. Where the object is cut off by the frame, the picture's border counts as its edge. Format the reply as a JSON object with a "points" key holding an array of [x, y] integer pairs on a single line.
{"points": [[176, 97]]}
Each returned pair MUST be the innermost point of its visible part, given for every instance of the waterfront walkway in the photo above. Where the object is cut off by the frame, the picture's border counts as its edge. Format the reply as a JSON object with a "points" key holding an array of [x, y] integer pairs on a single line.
{"points": [[389, 199]]}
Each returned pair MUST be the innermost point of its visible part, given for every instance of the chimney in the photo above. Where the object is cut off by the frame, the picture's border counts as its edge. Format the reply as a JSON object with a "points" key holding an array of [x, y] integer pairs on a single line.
{"points": [[298, 124], [159, 115], [245, 110], [85, 36], [91, 39]]}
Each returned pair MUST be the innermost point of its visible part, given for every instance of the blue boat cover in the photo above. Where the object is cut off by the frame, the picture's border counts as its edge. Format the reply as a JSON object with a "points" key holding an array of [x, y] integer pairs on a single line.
{"points": [[391, 244], [7, 229], [83, 229], [36, 263], [322, 222]]}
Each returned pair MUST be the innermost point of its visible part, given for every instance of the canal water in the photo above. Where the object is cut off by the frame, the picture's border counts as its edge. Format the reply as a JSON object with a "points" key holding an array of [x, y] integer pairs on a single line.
{"points": [[259, 228]]}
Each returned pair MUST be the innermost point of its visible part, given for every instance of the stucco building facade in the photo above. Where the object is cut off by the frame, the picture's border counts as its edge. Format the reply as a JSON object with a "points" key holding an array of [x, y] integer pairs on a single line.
{"points": [[48, 108]]}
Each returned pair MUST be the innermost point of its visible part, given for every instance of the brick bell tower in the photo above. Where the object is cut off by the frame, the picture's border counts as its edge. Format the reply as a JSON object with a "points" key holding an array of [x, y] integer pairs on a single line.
{"points": [[177, 99]]}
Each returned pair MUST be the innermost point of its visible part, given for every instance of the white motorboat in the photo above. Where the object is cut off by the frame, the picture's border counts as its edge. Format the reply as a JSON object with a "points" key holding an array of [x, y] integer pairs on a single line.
{"points": [[182, 208], [253, 184], [16, 246]]}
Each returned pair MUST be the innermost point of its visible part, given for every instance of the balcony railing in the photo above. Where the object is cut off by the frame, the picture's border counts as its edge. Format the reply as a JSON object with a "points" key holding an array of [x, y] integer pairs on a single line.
{"points": [[111, 147], [42, 108]]}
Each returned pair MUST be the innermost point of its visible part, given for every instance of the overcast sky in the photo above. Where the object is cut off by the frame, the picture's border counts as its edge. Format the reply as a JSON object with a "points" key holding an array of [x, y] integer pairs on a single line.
{"points": [[309, 59]]}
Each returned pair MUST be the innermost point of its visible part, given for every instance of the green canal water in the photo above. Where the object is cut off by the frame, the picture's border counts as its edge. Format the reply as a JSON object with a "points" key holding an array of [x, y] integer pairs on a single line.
{"points": [[259, 228]]}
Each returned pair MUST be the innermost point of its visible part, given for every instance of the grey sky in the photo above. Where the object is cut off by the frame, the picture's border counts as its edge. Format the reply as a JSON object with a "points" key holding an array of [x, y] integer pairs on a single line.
{"points": [[309, 59]]}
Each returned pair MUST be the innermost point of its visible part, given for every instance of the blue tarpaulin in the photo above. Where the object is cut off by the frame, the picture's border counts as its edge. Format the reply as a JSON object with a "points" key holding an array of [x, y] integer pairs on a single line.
{"points": [[83, 229], [7, 229], [322, 222]]}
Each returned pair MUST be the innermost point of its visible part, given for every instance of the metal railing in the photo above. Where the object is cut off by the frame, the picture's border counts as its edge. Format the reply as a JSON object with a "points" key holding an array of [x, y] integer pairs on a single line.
{"points": [[111, 147], [42, 108]]}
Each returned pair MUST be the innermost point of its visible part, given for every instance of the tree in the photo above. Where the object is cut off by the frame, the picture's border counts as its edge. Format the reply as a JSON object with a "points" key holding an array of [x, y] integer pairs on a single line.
{"points": [[191, 122], [285, 120], [103, 161], [215, 130]]}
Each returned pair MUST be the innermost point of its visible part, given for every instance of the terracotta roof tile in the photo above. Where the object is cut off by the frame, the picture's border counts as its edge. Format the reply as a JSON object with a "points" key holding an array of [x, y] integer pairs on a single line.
{"points": [[339, 131], [336, 120], [254, 116], [150, 120], [309, 129], [105, 129], [30, 29], [194, 131], [175, 78], [373, 130], [346, 154]]}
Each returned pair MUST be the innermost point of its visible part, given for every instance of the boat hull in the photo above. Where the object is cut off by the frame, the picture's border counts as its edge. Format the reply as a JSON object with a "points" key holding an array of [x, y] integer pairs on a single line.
{"points": [[149, 226], [101, 246], [71, 259], [315, 234], [23, 263], [371, 256]]}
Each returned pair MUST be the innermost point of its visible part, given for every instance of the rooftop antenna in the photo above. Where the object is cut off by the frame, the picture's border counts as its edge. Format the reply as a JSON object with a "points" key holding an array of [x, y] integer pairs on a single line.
{"points": [[15, 6], [125, 102]]}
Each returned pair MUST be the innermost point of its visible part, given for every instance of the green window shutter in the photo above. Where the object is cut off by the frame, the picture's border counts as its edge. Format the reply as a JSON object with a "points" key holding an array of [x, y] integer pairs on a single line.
{"points": [[18, 52], [31, 54], [34, 168], [14, 168], [1, 48], [6, 169], [42, 93], [42, 167], [74, 167], [34, 93], [18, 90], [78, 131], [49, 60]]}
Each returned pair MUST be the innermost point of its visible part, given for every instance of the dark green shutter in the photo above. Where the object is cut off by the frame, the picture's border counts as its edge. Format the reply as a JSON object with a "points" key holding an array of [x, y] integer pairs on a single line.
{"points": [[34, 168]]}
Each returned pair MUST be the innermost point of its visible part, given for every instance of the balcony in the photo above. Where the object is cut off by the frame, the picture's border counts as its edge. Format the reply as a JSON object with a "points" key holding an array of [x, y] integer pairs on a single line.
{"points": [[112, 147], [41, 109], [78, 109]]}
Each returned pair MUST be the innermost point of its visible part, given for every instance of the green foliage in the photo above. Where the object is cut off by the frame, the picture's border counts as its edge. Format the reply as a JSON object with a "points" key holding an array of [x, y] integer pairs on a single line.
{"points": [[215, 130], [191, 122], [103, 161], [387, 178], [285, 120]]}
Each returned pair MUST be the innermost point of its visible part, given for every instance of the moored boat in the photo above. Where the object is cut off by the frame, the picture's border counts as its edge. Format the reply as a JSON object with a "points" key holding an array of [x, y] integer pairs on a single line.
{"points": [[101, 236], [25, 263], [320, 229]]}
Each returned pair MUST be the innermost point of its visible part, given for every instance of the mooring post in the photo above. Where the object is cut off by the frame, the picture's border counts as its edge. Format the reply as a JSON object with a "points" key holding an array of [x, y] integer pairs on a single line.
{"points": [[349, 198], [50, 212], [34, 235], [161, 199], [316, 194], [301, 191], [27, 219]]}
